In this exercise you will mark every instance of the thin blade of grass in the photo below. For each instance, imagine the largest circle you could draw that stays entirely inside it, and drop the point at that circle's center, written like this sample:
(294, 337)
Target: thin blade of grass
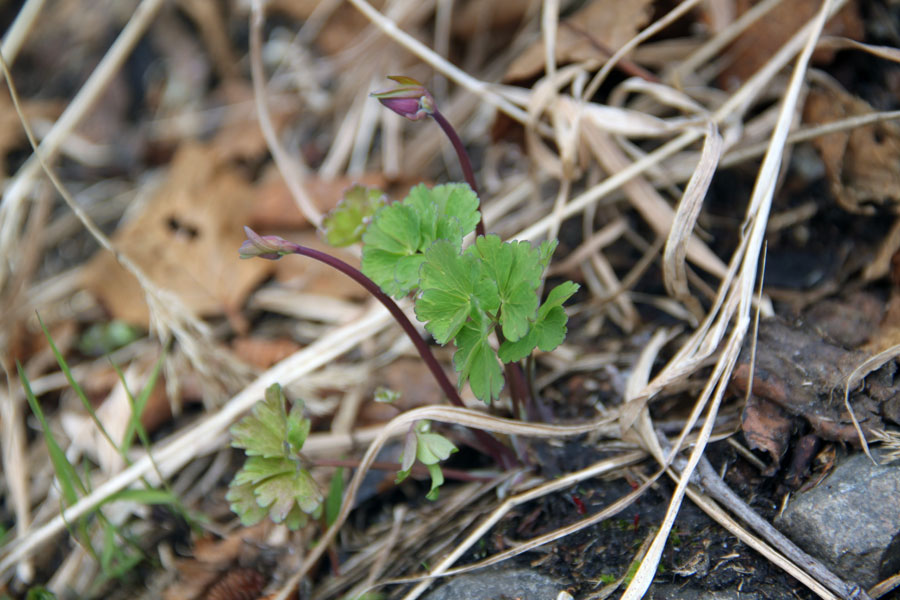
(65, 472)
(64, 367)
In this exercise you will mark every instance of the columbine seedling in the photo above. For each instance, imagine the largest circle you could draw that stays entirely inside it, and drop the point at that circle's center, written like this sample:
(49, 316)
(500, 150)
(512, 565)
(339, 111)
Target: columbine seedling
(273, 479)
(462, 295)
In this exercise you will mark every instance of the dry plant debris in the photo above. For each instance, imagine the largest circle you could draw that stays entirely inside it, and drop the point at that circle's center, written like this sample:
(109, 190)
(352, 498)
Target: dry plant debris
(619, 153)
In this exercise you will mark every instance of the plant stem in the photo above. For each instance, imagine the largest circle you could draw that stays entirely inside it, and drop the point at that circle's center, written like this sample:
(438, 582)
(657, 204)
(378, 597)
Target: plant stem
(502, 455)
(518, 386)
(421, 346)
(464, 162)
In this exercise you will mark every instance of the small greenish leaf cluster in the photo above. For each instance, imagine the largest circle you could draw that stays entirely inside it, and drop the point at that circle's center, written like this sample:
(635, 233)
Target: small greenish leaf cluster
(429, 449)
(273, 479)
(463, 295)
(346, 224)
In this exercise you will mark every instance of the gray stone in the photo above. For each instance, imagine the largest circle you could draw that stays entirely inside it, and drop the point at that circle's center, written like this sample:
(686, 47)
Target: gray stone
(850, 521)
(498, 584)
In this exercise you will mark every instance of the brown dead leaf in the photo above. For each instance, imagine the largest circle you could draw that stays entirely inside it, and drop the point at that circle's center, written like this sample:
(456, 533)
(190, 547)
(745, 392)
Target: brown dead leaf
(861, 164)
(607, 23)
(186, 241)
(766, 426)
(759, 42)
(262, 352)
(805, 374)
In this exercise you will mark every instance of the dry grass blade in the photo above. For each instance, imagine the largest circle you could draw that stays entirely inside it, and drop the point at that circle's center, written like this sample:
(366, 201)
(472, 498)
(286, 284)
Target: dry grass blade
(291, 167)
(675, 252)
(872, 363)
(757, 216)
(442, 570)
(12, 205)
(443, 414)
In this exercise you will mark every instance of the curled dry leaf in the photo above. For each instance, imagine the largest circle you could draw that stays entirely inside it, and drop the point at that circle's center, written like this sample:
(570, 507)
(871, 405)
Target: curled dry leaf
(861, 164)
(186, 240)
(598, 26)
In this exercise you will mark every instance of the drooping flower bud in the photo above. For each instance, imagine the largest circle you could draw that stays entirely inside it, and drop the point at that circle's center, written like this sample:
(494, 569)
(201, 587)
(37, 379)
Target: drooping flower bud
(410, 100)
(265, 246)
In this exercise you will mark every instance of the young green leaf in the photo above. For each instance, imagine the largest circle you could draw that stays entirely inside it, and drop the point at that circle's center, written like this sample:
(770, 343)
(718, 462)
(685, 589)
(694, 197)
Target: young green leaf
(433, 448)
(276, 484)
(272, 479)
(452, 290)
(516, 269)
(437, 480)
(391, 249)
(548, 331)
(476, 362)
(264, 432)
(335, 496)
(297, 427)
(398, 235)
(243, 503)
(346, 224)
(448, 210)
(429, 448)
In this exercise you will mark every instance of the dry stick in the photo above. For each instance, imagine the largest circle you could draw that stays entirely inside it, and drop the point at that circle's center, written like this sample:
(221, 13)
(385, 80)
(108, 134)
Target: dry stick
(287, 165)
(15, 193)
(15, 37)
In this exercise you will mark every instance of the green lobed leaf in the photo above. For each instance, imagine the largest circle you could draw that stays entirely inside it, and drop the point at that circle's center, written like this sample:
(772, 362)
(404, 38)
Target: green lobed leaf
(243, 503)
(264, 432)
(451, 209)
(297, 427)
(452, 290)
(476, 362)
(347, 222)
(516, 269)
(548, 331)
(280, 493)
(391, 249)
(277, 485)
(399, 233)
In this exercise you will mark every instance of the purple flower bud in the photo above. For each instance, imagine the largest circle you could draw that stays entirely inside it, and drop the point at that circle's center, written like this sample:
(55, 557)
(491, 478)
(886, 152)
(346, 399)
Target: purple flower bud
(410, 100)
(265, 246)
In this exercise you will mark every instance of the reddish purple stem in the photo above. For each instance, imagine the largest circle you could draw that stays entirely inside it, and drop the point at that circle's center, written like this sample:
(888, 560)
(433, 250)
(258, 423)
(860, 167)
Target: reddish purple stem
(501, 454)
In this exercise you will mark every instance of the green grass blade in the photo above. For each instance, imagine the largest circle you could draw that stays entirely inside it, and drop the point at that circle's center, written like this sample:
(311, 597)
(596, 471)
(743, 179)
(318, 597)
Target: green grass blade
(65, 472)
(64, 366)
(138, 405)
